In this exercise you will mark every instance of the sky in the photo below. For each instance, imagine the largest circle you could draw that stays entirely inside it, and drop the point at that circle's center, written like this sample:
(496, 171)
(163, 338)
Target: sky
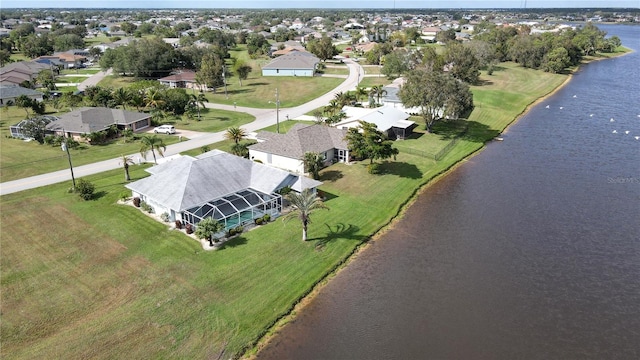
(274, 4)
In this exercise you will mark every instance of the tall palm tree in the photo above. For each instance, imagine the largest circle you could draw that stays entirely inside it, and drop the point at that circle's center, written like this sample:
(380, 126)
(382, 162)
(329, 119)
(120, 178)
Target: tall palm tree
(313, 162)
(303, 205)
(152, 143)
(154, 98)
(197, 101)
(377, 91)
(126, 161)
(121, 96)
(333, 107)
(236, 134)
(360, 92)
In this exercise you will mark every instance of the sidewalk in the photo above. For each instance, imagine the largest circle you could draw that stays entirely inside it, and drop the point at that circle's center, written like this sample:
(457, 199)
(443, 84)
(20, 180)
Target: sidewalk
(264, 118)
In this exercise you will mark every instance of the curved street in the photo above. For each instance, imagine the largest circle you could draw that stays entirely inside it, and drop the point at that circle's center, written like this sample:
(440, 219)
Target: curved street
(264, 118)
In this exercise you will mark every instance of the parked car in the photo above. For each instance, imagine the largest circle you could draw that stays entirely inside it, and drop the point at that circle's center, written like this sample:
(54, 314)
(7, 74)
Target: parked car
(165, 129)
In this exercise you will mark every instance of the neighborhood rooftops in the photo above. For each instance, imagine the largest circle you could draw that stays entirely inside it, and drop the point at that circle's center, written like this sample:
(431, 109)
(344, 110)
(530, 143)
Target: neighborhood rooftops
(294, 60)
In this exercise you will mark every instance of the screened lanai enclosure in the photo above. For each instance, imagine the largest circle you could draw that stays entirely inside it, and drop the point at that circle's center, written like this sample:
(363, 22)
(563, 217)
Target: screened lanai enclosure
(236, 209)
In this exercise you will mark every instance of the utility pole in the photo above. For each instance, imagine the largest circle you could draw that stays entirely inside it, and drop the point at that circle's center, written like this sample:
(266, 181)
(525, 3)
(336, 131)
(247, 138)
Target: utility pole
(65, 147)
(224, 80)
(277, 112)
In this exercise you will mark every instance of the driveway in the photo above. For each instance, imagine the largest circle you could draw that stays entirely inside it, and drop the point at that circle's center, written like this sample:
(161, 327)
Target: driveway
(264, 118)
(94, 79)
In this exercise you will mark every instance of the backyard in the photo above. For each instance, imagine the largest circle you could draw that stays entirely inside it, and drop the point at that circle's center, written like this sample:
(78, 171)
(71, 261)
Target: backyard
(126, 284)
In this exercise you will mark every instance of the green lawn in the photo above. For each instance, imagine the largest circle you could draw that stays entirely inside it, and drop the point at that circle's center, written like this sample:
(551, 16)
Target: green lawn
(116, 81)
(372, 69)
(86, 71)
(70, 79)
(212, 120)
(20, 159)
(257, 90)
(368, 82)
(123, 283)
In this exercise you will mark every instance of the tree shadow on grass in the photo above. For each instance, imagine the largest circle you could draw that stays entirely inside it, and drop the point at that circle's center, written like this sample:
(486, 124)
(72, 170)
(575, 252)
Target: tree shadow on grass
(401, 169)
(340, 231)
(331, 175)
(240, 91)
(326, 196)
(482, 82)
(221, 118)
(235, 242)
(478, 132)
(98, 194)
(449, 129)
(258, 84)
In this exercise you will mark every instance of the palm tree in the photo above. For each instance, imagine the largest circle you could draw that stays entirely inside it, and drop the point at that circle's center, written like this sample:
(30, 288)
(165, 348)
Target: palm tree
(236, 134)
(197, 101)
(121, 96)
(377, 91)
(153, 143)
(303, 205)
(240, 149)
(313, 162)
(153, 98)
(333, 107)
(126, 160)
(360, 92)
(208, 227)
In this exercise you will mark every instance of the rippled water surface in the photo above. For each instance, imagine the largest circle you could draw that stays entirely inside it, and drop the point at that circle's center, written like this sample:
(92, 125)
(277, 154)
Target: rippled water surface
(530, 250)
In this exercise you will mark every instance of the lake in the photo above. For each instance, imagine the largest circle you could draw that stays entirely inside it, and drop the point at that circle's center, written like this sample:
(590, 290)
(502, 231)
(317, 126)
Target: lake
(528, 250)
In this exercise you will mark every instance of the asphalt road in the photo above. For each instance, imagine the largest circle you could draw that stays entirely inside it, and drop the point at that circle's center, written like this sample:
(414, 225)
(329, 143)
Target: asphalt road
(264, 118)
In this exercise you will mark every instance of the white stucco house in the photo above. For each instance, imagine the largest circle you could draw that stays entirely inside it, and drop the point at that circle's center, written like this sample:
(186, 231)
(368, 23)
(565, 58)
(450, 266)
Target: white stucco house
(286, 151)
(295, 63)
(231, 189)
(391, 121)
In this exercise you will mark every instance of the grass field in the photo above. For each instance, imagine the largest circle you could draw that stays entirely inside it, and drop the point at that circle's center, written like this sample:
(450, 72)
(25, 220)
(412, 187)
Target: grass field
(20, 159)
(104, 280)
(212, 120)
(368, 82)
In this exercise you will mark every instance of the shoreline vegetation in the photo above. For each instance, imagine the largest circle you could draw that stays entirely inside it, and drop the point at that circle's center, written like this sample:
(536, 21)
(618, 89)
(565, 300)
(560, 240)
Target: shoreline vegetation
(299, 307)
(128, 284)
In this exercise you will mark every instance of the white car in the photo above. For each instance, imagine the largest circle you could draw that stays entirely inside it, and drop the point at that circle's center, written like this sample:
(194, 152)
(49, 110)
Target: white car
(165, 129)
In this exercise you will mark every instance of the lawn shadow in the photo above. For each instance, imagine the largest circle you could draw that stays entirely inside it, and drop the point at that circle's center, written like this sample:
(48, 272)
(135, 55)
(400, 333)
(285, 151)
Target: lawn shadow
(326, 196)
(449, 129)
(236, 241)
(221, 118)
(98, 194)
(415, 135)
(331, 175)
(341, 231)
(484, 82)
(240, 91)
(401, 169)
(478, 132)
(258, 84)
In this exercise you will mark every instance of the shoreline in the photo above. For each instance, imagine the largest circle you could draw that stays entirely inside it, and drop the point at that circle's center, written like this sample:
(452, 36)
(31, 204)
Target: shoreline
(300, 305)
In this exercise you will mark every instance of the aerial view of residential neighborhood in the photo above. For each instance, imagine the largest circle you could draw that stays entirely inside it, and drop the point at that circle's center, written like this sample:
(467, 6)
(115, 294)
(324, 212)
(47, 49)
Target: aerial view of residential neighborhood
(220, 183)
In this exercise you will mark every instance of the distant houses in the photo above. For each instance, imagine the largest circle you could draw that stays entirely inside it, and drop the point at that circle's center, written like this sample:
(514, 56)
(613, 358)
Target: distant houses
(389, 120)
(295, 63)
(9, 93)
(87, 120)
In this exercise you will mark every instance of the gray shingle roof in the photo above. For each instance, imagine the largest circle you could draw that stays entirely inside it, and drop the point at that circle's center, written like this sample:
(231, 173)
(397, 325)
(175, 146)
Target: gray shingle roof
(8, 91)
(187, 182)
(294, 60)
(300, 139)
(87, 120)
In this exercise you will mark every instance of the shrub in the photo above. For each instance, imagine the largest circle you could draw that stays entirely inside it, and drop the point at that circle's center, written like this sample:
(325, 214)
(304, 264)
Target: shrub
(238, 229)
(146, 207)
(266, 218)
(85, 189)
(124, 196)
(165, 217)
(178, 224)
(189, 229)
(136, 201)
(373, 168)
(258, 221)
(285, 190)
(231, 232)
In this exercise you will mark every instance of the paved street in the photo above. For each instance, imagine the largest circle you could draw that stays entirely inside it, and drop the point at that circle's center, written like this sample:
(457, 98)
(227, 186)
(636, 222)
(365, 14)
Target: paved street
(264, 118)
